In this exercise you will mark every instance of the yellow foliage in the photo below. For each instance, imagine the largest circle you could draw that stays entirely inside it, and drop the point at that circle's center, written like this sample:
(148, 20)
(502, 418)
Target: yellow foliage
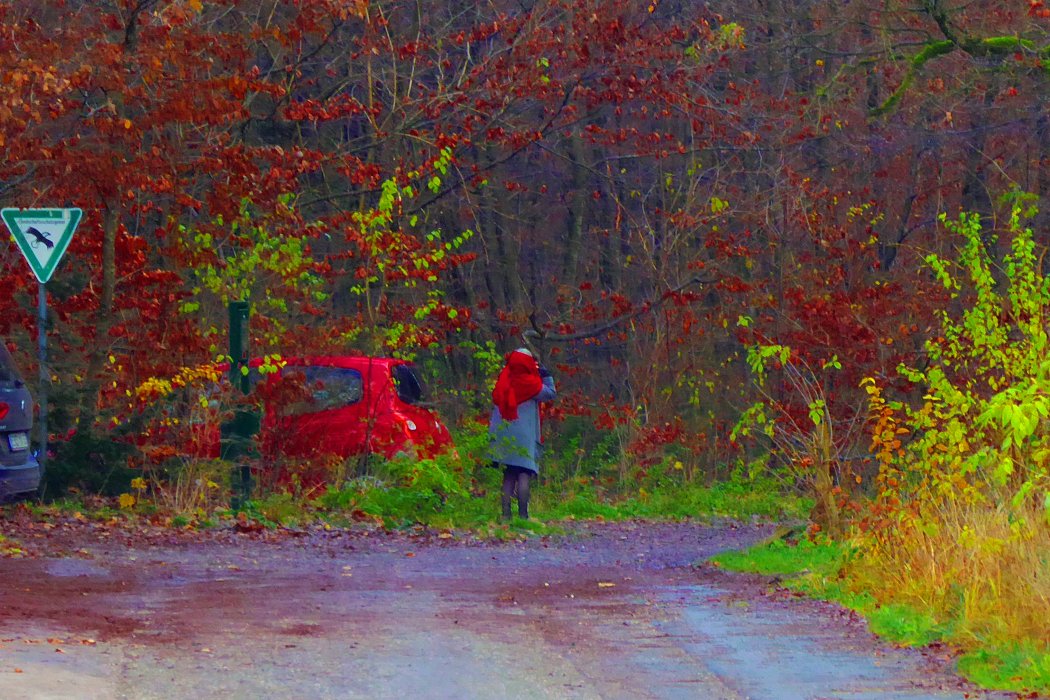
(159, 387)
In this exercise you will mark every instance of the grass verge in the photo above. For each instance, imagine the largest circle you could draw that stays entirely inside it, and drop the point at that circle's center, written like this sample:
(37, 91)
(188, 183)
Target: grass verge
(436, 497)
(821, 569)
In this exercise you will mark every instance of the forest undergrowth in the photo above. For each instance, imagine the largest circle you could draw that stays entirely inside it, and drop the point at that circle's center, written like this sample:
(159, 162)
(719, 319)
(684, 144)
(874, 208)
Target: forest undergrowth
(455, 491)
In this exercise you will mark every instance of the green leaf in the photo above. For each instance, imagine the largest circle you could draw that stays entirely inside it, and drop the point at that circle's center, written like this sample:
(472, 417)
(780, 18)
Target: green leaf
(1004, 469)
(1022, 493)
(816, 412)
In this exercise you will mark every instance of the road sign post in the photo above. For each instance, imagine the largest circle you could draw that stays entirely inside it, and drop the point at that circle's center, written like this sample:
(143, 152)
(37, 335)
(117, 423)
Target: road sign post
(41, 392)
(43, 236)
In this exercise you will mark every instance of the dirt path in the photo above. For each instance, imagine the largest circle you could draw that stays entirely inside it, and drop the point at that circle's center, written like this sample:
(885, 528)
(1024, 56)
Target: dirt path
(616, 611)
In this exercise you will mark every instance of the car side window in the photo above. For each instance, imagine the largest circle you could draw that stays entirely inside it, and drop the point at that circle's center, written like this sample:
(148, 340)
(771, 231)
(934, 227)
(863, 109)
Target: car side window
(327, 387)
(410, 388)
(8, 373)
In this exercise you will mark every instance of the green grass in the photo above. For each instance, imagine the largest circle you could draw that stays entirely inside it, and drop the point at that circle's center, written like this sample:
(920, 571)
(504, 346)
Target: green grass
(457, 492)
(583, 504)
(739, 500)
(1019, 667)
(476, 508)
(777, 557)
(902, 624)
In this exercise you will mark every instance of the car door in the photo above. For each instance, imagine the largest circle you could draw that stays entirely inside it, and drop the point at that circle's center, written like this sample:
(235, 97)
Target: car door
(321, 412)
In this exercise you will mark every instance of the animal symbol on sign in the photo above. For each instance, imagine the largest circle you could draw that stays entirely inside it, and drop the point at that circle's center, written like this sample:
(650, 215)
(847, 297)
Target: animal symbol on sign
(40, 237)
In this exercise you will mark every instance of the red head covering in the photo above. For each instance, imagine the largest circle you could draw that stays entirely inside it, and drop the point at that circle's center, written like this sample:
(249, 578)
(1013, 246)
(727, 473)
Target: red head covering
(518, 382)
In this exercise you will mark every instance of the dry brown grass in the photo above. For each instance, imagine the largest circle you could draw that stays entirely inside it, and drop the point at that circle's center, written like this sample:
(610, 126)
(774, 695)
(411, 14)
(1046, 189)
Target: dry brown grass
(192, 486)
(984, 568)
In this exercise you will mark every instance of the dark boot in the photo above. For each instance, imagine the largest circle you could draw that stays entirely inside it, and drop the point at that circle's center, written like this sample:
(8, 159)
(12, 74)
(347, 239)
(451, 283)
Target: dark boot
(507, 493)
(523, 496)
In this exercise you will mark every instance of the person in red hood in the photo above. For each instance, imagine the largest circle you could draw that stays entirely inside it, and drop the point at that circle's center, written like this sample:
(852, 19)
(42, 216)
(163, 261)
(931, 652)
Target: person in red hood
(514, 427)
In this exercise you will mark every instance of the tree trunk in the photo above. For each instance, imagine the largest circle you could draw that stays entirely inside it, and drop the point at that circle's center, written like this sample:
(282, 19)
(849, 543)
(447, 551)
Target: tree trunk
(577, 212)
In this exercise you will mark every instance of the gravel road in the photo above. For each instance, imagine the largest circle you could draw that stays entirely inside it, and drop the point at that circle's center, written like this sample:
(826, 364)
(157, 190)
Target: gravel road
(611, 611)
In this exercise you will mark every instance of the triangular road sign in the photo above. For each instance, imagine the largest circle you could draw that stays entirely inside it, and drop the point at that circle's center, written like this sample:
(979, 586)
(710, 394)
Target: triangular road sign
(42, 235)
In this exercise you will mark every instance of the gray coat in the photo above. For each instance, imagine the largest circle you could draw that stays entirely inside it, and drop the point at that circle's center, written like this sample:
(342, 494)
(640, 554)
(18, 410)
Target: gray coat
(517, 442)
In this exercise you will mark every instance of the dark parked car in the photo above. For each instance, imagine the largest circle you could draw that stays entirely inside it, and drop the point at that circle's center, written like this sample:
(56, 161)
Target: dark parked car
(19, 470)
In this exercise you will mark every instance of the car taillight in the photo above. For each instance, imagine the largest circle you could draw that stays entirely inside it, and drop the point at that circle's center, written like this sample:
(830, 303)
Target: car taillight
(4, 408)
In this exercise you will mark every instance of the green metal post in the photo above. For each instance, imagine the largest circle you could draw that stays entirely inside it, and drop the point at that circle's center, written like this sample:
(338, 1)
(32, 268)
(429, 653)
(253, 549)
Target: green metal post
(244, 423)
(239, 356)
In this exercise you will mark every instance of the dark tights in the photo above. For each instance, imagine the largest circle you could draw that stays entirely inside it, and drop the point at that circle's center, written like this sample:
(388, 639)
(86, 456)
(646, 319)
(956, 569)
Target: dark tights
(516, 483)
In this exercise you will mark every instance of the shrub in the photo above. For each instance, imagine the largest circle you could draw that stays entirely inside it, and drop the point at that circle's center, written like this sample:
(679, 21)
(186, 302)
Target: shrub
(960, 526)
(89, 463)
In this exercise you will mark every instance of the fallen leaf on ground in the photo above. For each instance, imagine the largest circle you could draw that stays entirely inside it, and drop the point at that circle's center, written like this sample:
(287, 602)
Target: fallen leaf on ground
(605, 584)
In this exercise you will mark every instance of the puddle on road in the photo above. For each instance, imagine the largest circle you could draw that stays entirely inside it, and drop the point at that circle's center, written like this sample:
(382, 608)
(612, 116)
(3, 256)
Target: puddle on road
(68, 568)
(771, 652)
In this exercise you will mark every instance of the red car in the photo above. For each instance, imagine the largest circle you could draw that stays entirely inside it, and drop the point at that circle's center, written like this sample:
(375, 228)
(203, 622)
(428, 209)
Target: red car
(347, 406)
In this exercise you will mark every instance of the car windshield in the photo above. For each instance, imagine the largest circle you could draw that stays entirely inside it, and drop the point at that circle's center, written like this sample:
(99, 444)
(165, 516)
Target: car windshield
(326, 387)
(410, 386)
(8, 372)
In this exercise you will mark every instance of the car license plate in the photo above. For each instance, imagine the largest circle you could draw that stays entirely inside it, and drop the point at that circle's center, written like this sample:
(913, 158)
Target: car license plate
(18, 442)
